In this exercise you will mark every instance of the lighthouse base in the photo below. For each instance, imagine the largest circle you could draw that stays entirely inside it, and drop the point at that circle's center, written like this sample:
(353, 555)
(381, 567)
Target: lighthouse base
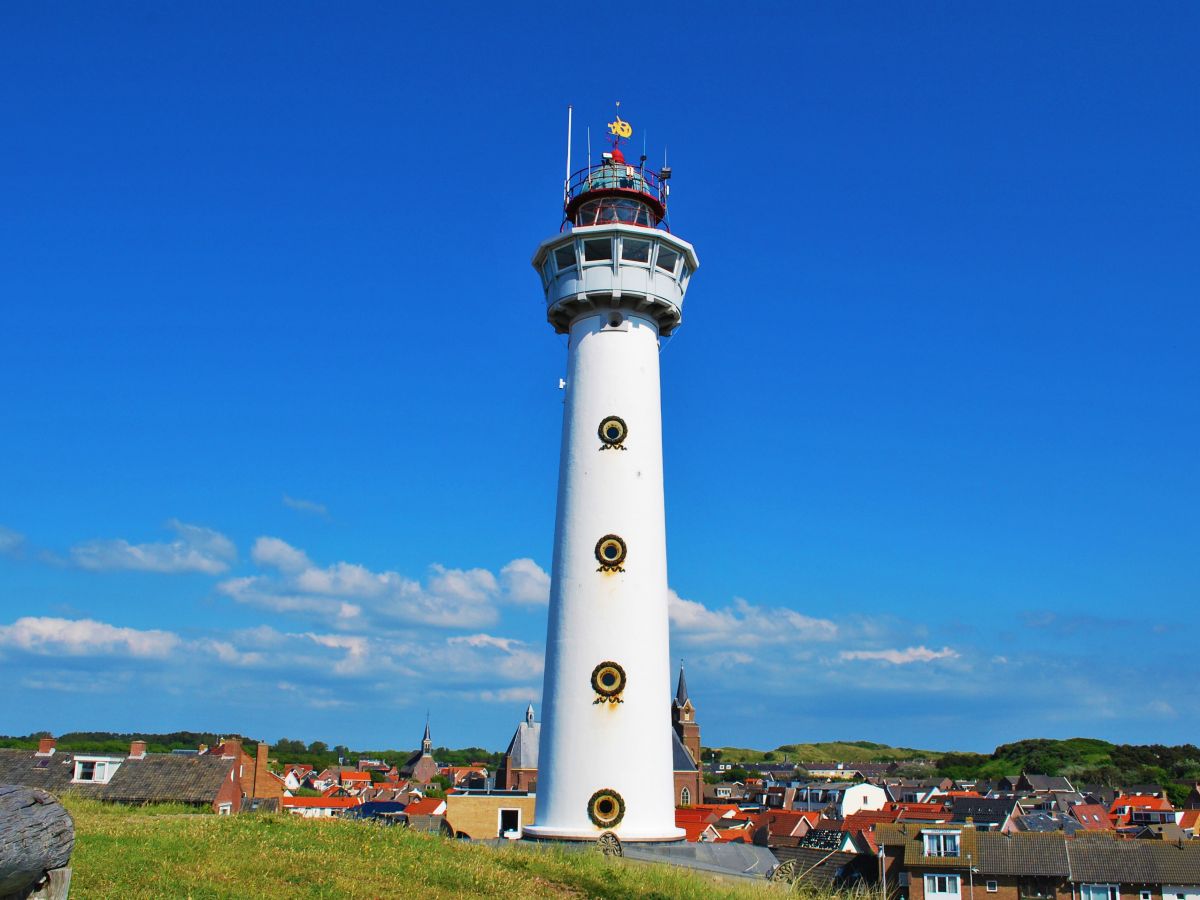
(551, 833)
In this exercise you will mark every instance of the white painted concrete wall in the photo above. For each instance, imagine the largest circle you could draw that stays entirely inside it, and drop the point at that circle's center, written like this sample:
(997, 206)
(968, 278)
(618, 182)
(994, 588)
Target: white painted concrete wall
(620, 616)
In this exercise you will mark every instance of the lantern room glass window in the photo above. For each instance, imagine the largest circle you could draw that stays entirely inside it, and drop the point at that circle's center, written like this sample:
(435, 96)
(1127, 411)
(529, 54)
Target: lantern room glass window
(614, 211)
(564, 257)
(598, 250)
(633, 250)
(667, 259)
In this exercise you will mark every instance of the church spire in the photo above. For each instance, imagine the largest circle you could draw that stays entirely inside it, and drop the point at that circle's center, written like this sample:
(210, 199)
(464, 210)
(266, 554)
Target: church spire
(681, 692)
(426, 741)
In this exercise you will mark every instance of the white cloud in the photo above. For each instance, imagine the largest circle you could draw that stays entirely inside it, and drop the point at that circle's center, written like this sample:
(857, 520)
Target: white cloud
(85, 637)
(271, 551)
(254, 591)
(306, 506)
(339, 593)
(525, 583)
(900, 657)
(196, 549)
(11, 542)
(745, 624)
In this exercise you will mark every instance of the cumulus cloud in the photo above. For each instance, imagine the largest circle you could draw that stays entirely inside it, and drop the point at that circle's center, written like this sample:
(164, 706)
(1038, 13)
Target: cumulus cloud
(305, 506)
(271, 551)
(900, 657)
(195, 549)
(744, 623)
(525, 583)
(85, 637)
(341, 592)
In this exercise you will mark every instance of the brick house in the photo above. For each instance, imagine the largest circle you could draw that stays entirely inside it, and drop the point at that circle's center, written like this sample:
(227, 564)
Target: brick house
(255, 779)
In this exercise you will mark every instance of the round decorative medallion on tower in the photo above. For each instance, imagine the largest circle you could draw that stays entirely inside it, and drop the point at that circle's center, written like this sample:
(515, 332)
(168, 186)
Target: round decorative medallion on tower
(614, 283)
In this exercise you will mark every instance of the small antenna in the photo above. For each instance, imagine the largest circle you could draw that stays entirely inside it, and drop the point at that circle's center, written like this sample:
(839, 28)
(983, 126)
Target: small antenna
(567, 180)
(589, 149)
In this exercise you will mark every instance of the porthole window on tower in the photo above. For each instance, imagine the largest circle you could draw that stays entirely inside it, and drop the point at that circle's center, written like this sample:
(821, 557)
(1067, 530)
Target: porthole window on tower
(608, 680)
(606, 808)
(612, 433)
(597, 250)
(667, 258)
(564, 257)
(610, 551)
(633, 250)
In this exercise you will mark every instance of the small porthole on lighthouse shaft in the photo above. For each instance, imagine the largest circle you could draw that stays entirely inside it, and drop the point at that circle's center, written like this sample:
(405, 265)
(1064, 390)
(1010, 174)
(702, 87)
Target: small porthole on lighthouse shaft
(608, 680)
(606, 808)
(610, 552)
(612, 433)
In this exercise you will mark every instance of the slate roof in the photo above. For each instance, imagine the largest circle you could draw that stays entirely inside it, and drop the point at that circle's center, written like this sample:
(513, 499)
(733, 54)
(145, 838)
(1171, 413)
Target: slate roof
(817, 866)
(1029, 853)
(681, 692)
(1102, 858)
(1045, 783)
(523, 748)
(156, 778)
(982, 810)
(681, 759)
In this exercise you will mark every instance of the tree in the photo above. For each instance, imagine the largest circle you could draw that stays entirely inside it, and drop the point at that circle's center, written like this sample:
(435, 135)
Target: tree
(318, 747)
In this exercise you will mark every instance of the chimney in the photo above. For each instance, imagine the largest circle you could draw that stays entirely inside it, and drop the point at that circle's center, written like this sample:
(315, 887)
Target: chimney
(137, 750)
(46, 746)
(260, 768)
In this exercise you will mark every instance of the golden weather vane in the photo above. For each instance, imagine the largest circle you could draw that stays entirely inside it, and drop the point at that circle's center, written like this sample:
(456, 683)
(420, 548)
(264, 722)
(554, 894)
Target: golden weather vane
(620, 128)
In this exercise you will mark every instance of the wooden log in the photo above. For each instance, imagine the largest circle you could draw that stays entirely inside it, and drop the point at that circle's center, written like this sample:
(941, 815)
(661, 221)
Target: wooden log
(36, 835)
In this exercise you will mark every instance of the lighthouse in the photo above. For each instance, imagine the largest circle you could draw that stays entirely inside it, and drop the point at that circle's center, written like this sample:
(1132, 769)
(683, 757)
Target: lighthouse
(614, 280)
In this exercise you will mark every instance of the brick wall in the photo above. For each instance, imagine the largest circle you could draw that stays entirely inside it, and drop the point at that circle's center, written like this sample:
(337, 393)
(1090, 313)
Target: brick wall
(478, 815)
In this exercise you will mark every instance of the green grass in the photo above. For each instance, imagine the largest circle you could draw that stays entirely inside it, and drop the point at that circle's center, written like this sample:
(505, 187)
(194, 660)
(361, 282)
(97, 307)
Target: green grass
(834, 751)
(169, 851)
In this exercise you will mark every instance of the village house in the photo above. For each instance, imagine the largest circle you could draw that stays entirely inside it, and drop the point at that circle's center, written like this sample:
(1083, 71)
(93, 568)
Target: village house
(137, 777)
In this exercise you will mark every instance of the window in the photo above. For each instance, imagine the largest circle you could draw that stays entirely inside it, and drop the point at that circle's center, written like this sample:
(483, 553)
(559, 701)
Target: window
(597, 250)
(547, 274)
(510, 820)
(941, 843)
(635, 251)
(942, 886)
(1146, 895)
(685, 797)
(225, 809)
(667, 258)
(95, 769)
(902, 879)
(1100, 892)
(993, 886)
(564, 257)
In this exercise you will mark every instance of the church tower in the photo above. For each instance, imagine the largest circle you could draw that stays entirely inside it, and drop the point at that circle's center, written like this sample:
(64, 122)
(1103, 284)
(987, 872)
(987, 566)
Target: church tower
(683, 719)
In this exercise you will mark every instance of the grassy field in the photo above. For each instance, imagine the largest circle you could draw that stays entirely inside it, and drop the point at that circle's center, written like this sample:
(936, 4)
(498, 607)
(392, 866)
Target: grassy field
(836, 751)
(167, 852)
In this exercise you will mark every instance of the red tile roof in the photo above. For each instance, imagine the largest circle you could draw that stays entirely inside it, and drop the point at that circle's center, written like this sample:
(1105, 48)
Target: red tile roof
(429, 806)
(866, 819)
(356, 776)
(1092, 816)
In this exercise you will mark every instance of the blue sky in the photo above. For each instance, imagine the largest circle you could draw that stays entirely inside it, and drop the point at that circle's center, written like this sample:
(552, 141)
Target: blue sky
(281, 404)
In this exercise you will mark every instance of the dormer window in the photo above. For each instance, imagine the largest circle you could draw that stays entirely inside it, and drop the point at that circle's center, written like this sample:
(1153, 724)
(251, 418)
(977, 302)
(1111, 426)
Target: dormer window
(941, 843)
(94, 769)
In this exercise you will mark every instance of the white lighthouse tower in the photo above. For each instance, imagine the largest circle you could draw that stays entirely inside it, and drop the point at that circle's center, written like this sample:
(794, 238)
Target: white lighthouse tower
(614, 283)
